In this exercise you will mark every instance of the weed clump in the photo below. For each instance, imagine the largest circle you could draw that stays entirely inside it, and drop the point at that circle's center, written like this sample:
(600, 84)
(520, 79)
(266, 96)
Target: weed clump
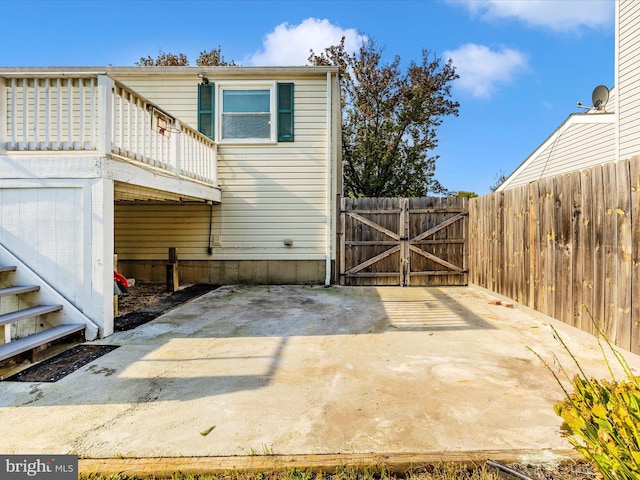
(602, 417)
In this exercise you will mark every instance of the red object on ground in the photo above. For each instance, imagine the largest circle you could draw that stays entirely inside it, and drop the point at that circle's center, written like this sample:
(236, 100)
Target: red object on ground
(120, 279)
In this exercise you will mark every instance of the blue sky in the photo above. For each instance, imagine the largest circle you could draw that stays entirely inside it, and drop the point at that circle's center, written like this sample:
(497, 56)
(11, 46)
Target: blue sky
(524, 64)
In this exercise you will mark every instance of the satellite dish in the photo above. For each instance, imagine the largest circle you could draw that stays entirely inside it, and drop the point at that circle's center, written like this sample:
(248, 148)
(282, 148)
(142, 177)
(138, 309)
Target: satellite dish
(600, 97)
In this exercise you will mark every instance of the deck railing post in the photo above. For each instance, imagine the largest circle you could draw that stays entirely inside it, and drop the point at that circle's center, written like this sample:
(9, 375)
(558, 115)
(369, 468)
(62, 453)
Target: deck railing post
(105, 114)
(213, 165)
(174, 151)
(3, 117)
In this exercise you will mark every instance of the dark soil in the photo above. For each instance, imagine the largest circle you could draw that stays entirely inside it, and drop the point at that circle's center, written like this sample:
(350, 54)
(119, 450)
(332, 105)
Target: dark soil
(151, 301)
(142, 303)
(61, 365)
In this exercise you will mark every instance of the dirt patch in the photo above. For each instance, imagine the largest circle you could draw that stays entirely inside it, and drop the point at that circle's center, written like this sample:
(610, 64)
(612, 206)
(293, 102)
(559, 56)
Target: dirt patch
(568, 471)
(61, 365)
(146, 302)
(141, 295)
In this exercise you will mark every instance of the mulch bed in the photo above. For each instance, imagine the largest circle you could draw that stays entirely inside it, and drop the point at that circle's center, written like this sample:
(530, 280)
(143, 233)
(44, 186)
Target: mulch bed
(155, 302)
(154, 310)
(61, 365)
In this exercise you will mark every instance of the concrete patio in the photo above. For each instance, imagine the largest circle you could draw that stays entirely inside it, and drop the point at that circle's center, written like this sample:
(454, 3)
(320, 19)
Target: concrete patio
(298, 370)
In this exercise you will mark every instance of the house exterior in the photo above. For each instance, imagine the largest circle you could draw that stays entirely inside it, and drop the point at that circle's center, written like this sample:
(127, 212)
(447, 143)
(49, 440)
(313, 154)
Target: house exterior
(236, 167)
(596, 136)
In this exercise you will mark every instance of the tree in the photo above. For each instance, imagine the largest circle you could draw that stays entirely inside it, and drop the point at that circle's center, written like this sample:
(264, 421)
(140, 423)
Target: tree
(465, 194)
(164, 60)
(390, 119)
(498, 179)
(212, 58)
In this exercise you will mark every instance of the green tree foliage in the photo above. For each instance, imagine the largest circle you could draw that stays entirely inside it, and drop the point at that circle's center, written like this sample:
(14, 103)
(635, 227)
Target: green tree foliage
(212, 58)
(390, 119)
(464, 194)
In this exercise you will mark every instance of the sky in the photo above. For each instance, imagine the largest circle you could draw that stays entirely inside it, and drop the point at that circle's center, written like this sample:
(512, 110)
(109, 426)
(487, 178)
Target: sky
(523, 64)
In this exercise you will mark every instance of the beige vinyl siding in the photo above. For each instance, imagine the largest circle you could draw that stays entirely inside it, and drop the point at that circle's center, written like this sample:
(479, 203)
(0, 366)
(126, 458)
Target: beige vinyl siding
(629, 78)
(270, 192)
(177, 95)
(581, 145)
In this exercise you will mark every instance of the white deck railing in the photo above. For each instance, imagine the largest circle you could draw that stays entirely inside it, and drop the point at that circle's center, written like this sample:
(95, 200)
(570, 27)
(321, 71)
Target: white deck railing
(95, 112)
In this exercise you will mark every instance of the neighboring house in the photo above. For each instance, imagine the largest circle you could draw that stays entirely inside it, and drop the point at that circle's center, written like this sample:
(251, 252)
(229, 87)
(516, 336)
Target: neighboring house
(237, 167)
(596, 136)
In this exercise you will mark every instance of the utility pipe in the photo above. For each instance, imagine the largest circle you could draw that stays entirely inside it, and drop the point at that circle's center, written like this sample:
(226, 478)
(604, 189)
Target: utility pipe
(327, 277)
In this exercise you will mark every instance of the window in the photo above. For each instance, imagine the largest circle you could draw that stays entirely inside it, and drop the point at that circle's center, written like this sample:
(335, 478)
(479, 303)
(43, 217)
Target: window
(247, 112)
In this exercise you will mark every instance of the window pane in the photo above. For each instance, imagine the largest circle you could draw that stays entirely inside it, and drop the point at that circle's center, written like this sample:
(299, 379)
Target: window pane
(246, 101)
(285, 125)
(205, 97)
(246, 126)
(285, 97)
(206, 127)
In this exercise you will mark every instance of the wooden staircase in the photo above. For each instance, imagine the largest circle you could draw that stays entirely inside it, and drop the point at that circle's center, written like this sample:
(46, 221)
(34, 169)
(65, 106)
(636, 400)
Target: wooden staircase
(30, 343)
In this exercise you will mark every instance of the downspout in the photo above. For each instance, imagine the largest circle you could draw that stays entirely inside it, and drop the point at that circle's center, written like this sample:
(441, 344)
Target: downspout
(327, 277)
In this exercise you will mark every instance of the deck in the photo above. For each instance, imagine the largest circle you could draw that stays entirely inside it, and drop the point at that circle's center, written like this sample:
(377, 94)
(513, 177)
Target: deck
(56, 126)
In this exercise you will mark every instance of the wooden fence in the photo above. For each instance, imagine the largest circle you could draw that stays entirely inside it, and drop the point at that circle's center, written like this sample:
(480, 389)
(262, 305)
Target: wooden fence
(567, 246)
(403, 241)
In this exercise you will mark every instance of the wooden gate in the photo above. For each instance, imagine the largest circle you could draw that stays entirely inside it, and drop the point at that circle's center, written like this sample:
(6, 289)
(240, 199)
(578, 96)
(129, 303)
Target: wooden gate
(403, 241)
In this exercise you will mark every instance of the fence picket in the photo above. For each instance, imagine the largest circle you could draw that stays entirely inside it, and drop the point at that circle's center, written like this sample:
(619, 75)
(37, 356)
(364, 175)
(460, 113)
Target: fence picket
(565, 243)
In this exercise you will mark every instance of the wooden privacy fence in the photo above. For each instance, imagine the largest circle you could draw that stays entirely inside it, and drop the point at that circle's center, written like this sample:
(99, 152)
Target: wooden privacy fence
(565, 243)
(403, 241)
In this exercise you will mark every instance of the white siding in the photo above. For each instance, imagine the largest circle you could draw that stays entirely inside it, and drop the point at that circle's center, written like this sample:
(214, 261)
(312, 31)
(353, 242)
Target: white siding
(62, 229)
(629, 77)
(574, 147)
(270, 192)
(45, 228)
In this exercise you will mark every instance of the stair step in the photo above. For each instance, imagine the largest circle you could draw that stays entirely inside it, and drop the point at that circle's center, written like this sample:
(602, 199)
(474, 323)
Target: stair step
(28, 313)
(8, 268)
(6, 292)
(22, 345)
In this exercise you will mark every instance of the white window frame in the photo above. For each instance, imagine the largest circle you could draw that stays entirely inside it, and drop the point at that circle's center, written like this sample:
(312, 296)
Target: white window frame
(247, 85)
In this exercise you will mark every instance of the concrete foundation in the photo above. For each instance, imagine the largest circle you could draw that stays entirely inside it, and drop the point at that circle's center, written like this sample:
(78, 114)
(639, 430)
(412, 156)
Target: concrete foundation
(227, 272)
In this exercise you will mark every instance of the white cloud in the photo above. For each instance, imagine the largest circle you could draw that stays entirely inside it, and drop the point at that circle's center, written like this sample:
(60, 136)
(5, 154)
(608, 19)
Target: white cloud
(558, 15)
(482, 69)
(291, 44)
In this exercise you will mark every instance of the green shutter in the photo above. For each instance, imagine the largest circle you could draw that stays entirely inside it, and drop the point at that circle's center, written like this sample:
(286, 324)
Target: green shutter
(285, 112)
(206, 114)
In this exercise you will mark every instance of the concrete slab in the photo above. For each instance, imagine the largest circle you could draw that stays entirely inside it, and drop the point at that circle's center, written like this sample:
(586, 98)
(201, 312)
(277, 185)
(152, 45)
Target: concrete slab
(293, 370)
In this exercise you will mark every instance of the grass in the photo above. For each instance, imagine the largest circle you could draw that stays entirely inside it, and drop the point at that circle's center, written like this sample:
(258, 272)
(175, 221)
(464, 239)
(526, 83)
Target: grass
(445, 471)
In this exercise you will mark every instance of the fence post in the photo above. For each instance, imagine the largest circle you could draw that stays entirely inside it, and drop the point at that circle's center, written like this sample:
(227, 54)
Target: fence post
(403, 233)
(105, 114)
(173, 282)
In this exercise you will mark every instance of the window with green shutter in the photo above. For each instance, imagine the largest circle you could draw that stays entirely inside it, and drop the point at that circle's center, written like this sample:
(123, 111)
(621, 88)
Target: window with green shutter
(248, 112)
(285, 112)
(206, 111)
